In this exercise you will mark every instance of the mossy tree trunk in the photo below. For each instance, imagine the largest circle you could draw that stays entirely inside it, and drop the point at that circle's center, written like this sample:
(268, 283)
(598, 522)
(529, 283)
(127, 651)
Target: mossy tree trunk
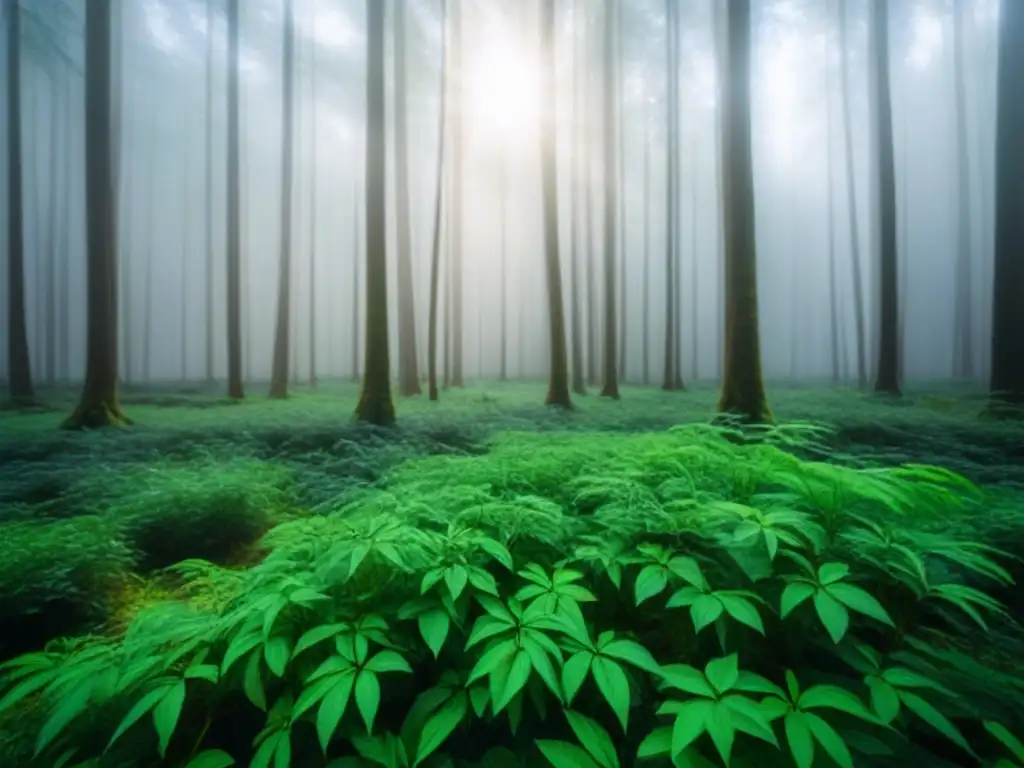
(1007, 382)
(610, 384)
(282, 334)
(99, 405)
(742, 386)
(435, 254)
(234, 223)
(375, 403)
(19, 368)
(558, 376)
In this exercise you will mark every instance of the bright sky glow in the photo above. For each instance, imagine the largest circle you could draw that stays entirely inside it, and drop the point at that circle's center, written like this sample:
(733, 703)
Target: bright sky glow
(925, 37)
(502, 83)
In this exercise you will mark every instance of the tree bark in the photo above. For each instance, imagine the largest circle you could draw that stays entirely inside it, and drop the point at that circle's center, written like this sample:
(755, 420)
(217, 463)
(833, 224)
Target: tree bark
(355, 288)
(435, 255)
(375, 404)
(455, 275)
(579, 385)
(234, 223)
(99, 405)
(282, 335)
(209, 191)
(742, 386)
(963, 350)
(312, 210)
(610, 387)
(670, 374)
(558, 376)
(647, 248)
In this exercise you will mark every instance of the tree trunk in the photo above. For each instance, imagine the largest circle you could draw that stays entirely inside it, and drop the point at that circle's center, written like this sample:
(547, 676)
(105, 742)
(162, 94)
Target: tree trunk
(610, 387)
(742, 386)
(408, 376)
(375, 404)
(851, 196)
(503, 199)
(282, 335)
(579, 385)
(647, 247)
(455, 276)
(184, 247)
(356, 254)
(19, 368)
(234, 223)
(209, 191)
(558, 376)
(963, 352)
(64, 361)
(99, 405)
(435, 254)
(312, 210)
(670, 375)
(622, 187)
(888, 348)
(1007, 384)
(51, 238)
(833, 287)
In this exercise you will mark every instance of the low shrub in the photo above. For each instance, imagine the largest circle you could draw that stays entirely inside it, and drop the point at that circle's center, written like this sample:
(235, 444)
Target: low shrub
(670, 599)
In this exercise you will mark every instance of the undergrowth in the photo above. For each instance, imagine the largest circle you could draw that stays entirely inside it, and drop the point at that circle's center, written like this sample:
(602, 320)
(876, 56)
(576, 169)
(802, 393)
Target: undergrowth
(691, 597)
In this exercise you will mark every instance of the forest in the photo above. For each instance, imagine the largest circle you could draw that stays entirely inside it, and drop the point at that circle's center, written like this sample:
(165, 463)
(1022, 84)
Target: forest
(507, 383)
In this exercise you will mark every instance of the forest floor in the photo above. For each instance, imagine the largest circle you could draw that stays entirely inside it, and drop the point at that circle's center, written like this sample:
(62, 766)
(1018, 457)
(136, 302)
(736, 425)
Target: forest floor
(89, 520)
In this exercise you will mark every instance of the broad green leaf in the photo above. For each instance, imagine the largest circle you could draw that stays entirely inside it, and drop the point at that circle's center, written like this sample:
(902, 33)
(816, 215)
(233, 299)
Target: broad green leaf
(542, 665)
(455, 577)
(614, 686)
(574, 672)
(1001, 734)
(237, 648)
(793, 595)
(211, 758)
(658, 742)
(277, 652)
(690, 723)
(141, 708)
(304, 596)
(440, 726)
(518, 673)
(495, 550)
(743, 611)
(430, 578)
(834, 697)
(487, 627)
(387, 661)
(208, 672)
(491, 659)
(166, 714)
(70, 707)
(705, 610)
(332, 708)
(830, 741)
(562, 754)
(720, 728)
(594, 739)
(856, 599)
(684, 597)
(798, 736)
(748, 717)
(901, 677)
(723, 673)
(688, 570)
(934, 718)
(434, 626)
(833, 615)
(687, 679)
(482, 580)
(830, 573)
(367, 696)
(267, 750)
(27, 687)
(632, 653)
(330, 666)
(252, 681)
(312, 694)
(884, 699)
(317, 635)
(650, 582)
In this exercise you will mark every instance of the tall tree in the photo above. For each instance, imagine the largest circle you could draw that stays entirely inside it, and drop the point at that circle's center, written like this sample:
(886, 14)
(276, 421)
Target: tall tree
(19, 368)
(558, 376)
(209, 191)
(963, 349)
(455, 276)
(234, 223)
(742, 385)
(435, 254)
(888, 375)
(851, 197)
(356, 254)
(672, 378)
(312, 206)
(282, 335)
(408, 376)
(375, 404)
(1007, 383)
(99, 405)
(610, 387)
(647, 246)
(579, 384)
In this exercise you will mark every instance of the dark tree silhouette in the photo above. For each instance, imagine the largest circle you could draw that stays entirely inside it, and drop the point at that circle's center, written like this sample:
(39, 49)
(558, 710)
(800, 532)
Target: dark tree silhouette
(209, 190)
(234, 224)
(610, 385)
(435, 254)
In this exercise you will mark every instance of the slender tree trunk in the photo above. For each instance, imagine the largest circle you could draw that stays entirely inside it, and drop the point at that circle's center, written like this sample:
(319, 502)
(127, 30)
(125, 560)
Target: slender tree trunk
(375, 404)
(51, 238)
(888, 348)
(282, 335)
(455, 275)
(408, 376)
(99, 405)
(1007, 383)
(579, 385)
(65, 280)
(558, 376)
(622, 188)
(647, 247)
(19, 368)
(742, 386)
(588, 247)
(610, 387)
(356, 277)
(694, 284)
(234, 223)
(851, 196)
(209, 191)
(503, 195)
(312, 211)
(147, 312)
(184, 248)
(833, 288)
(671, 190)
(435, 254)
(963, 352)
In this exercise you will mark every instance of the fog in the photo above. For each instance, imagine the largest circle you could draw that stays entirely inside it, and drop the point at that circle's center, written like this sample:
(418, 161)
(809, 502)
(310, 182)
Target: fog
(169, 218)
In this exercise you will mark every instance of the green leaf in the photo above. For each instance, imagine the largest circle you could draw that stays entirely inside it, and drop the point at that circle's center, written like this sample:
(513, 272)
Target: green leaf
(884, 699)
(829, 573)
(650, 582)
(562, 754)
(614, 686)
(720, 728)
(482, 580)
(542, 665)
(387, 661)
(688, 570)
(434, 626)
(574, 672)
(684, 597)
(208, 672)
(934, 718)
(518, 673)
(706, 609)
(211, 758)
(333, 706)
(723, 673)
(237, 648)
(440, 726)
(830, 741)
(141, 708)
(798, 736)
(316, 636)
(691, 718)
(71, 706)
(304, 596)
(743, 611)
(252, 682)
(658, 742)
(277, 653)
(491, 659)
(312, 694)
(856, 599)
(430, 578)
(834, 697)
(367, 696)
(455, 577)
(687, 679)
(833, 615)
(1001, 734)
(495, 550)
(166, 714)
(793, 595)
(487, 627)
(594, 739)
(632, 653)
